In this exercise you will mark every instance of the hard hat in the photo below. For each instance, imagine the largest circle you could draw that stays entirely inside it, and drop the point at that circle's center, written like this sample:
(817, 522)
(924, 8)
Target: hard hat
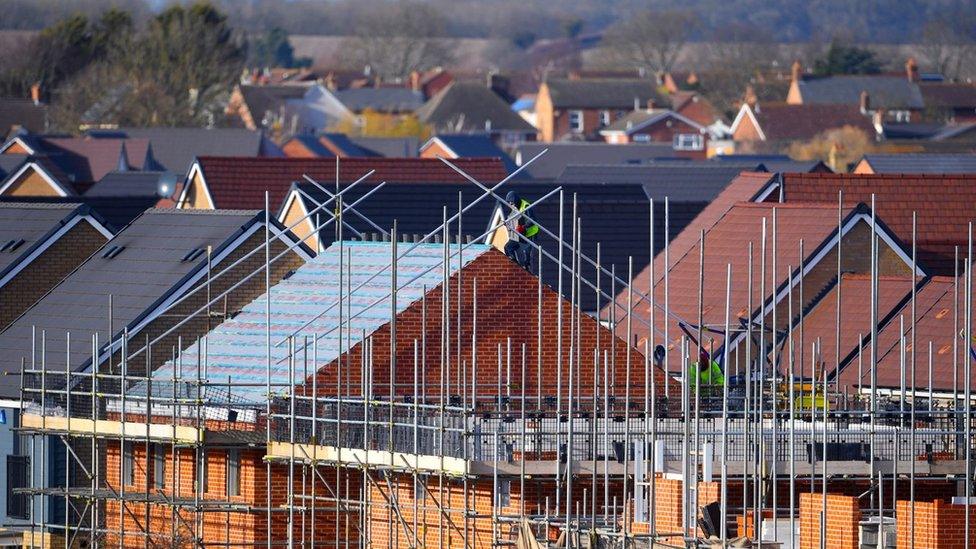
(512, 197)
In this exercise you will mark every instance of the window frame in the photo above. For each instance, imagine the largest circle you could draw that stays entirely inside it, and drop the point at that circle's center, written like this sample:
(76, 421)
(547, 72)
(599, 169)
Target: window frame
(576, 123)
(233, 473)
(697, 142)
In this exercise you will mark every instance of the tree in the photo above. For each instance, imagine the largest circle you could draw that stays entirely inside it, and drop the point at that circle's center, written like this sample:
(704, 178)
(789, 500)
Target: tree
(838, 148)
(841, 59)
(650, 40)
(376, 124)
(948, 41)
(401, 38)
(273, 49)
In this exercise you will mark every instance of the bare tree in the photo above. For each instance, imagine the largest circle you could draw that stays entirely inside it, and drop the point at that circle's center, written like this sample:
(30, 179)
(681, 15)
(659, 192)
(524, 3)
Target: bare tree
(948, 43)
(651, 40)
(400, 38)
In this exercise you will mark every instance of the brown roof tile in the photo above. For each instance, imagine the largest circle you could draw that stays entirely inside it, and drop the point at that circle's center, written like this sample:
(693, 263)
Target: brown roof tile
(780, 121)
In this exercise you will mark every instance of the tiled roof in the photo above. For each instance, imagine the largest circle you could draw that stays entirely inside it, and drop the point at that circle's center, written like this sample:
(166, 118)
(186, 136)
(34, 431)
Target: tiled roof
(302, 305)
(949, 95)
(149, 267)
(888, 92)
(727, 242)
(935, 323)
(602, 93)
(175, 148)
(679, 181)
(634, 120)
(470, 107)
(126, 184)
(339, 144)
(475, 145)
(236, 182)
(87, 160)
(820, 324)
(23, 113)
(944, 205)
(32, 223)
(560, 155)
(263, 99)
(922, 163)
(782, 121)
(393, 100)
(776, 163)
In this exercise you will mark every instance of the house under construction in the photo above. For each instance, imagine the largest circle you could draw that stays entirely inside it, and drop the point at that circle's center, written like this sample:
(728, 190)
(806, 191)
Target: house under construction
(429, 392)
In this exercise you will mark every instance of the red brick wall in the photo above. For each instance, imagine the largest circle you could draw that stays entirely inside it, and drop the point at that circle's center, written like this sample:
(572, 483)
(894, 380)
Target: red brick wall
(938, 525)
(507, 308)
(843, 516)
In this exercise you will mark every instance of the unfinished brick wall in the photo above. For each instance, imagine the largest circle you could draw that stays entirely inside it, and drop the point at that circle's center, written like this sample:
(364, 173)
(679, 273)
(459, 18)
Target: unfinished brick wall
(843, 516)
(938, 525)
(507, 299)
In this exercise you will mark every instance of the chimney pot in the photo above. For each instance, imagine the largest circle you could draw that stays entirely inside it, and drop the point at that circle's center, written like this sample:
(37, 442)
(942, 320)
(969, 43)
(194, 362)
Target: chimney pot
(796, 71)
(865, 102)
(36, 93)
(911, 69)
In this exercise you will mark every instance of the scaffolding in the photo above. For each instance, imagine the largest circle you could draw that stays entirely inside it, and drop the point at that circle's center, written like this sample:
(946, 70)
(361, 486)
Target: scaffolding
(371, 461)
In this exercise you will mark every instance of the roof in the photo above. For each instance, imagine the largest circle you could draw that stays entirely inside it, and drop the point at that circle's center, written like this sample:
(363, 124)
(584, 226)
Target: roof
(237, 182)
(262, 99)
(602, 93)
(394, 100)
(24, 113)
(10, 163)
(87, 160)
(887, 92)
(727, 243)
(559, 155)
(26, 225)
(393, 147)
(780, 121)
(935, 324)
(820, 324)
(475, 145)
(339, 144)
(302, 305)
(126, 184)
(922, 163)
(949, 95)
(417, 208)
(148, 269)
(943, 217)
(471, 107)
(175, 148)
(776, 163)
(678, 181)
(641, 118)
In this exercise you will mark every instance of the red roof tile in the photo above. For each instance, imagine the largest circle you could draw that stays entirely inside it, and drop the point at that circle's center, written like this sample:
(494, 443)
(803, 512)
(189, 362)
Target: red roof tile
(936, 324)
(944, 205)
(240, 182)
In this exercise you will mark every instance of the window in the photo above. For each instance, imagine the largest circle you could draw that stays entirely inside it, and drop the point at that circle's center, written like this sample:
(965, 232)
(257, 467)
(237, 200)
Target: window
(604, 118)
(504, 495)
(419, 490)
(202, 474)
(576, 121)
(689, 142)
(18, 476)
(159, 466)
(233, 472)
(641, 138)
(128, 465)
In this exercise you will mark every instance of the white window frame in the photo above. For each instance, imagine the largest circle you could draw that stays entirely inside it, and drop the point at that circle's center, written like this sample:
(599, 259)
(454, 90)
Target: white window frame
(689, 142)
(604, 118)
(576, 124)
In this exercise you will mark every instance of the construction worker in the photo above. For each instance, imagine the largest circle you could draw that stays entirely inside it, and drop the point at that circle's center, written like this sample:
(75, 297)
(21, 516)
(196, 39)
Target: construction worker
(521, 231)
(706, 372)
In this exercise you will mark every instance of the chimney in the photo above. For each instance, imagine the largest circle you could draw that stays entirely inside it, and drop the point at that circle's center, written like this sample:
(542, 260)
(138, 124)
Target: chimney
(415, 80)
(911, 69)
(650, 104)
(36, 93)
(865, 102)
(796, 71)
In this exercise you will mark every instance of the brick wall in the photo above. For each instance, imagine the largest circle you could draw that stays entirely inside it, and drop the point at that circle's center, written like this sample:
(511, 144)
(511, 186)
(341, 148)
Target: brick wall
(507, 299)
(42, 274)
(938, 525)
(843, 516)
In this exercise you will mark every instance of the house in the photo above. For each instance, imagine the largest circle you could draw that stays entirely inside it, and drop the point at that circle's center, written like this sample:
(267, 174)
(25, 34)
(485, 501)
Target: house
(232, 182)
(579, 109)
(386, 100)
(470, 107)
(659, 126)
(287, 109)
(559, 155)
(39, 244)
(173, 149)
(328, 145)
(896, 96)
(780, 123)
(67, 166)
(953, 102)
(249, 493)
(729, 241)
(22, 115)
(150, 279)
(466, 146)
(916, 163)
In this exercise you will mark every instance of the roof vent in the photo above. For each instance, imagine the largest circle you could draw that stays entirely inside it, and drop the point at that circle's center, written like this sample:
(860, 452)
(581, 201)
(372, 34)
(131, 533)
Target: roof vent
(112, 251)
(192, 255)
(12, 245)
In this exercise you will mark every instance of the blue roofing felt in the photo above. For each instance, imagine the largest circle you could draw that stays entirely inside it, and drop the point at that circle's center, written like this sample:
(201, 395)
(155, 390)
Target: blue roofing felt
(477, 145)
(304, 304)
